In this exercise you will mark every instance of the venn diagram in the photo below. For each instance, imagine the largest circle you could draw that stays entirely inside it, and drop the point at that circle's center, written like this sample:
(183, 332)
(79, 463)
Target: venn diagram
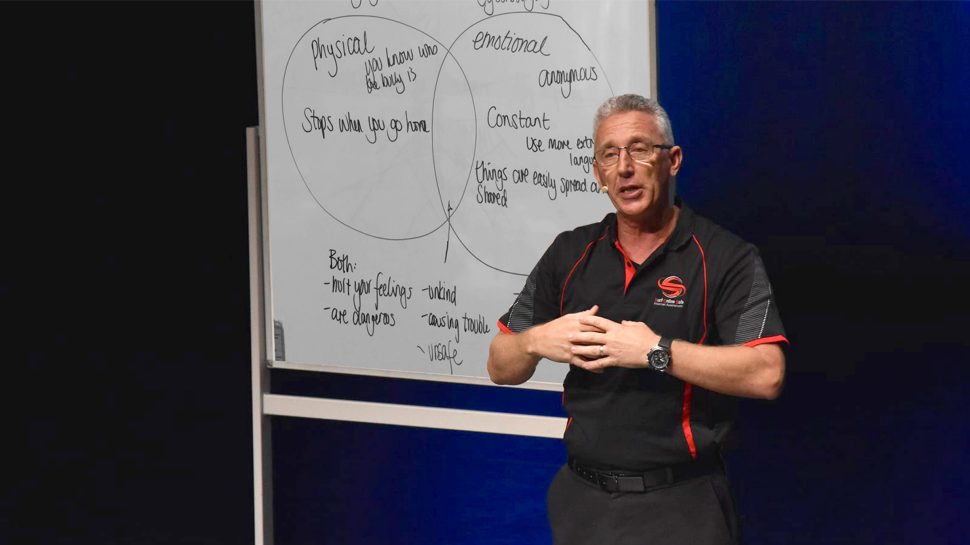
(398, 135)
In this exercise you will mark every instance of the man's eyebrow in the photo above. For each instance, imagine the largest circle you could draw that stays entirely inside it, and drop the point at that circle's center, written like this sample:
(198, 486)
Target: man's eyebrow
(637, 139)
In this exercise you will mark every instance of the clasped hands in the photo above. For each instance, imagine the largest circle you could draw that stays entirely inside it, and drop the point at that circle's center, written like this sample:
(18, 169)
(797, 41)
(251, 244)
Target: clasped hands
(592, 342)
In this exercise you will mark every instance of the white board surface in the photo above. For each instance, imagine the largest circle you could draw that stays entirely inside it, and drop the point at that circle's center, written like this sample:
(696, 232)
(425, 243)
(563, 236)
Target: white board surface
(419, 156)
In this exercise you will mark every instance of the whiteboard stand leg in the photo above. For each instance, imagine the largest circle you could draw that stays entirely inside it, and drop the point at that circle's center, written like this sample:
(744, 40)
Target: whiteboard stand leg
(262, 436)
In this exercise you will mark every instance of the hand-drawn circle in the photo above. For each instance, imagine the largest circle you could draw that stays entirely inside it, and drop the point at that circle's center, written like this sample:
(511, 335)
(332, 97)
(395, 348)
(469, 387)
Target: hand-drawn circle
(485, 231)
(328, 133)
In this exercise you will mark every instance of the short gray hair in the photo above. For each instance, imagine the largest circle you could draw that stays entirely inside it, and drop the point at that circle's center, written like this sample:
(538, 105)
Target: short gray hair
(635, 103)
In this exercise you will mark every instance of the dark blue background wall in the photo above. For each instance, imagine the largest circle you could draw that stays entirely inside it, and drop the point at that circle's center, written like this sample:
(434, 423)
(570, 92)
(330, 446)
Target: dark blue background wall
(833, 135)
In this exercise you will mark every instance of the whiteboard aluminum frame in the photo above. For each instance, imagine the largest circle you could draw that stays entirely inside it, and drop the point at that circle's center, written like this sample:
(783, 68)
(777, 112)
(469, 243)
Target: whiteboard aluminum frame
(550, 427)
(262, 439)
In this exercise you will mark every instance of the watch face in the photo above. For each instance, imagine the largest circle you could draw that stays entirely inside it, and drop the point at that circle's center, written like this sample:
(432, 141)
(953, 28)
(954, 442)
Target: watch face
(659, 359)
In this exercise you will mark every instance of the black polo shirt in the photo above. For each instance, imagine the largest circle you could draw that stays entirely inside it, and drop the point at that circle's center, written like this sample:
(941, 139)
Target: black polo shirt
(704, 285)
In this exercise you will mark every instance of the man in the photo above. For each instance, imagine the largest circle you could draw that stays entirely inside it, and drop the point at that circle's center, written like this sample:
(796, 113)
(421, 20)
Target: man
(665, 319)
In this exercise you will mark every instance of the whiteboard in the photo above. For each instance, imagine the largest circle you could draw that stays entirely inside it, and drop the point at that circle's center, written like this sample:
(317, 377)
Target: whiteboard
(418, 158)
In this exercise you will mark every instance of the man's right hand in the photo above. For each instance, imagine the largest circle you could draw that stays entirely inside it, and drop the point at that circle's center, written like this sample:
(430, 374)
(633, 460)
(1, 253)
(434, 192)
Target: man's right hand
(554, 340)
(512, 358)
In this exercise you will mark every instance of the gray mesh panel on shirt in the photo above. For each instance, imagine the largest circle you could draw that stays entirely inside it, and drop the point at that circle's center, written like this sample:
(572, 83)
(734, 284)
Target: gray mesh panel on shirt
(522, 311)
(751, 324)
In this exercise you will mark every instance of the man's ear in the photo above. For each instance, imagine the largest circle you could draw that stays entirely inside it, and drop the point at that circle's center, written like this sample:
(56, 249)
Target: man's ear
(676, 159)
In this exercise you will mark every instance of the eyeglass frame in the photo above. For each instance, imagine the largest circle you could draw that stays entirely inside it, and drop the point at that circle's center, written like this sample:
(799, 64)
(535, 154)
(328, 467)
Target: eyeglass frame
(619, 150)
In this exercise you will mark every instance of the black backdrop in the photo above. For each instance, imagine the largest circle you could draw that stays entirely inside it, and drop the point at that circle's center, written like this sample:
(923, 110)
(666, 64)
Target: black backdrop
(129, 143)
(832, 135)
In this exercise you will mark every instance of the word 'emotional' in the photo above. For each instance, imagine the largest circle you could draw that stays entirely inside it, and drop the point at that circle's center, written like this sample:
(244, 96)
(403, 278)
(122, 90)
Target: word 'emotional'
(509, 42)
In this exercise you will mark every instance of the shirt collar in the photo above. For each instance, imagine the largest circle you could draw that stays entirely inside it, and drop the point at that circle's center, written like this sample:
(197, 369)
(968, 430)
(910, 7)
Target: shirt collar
(682, 234)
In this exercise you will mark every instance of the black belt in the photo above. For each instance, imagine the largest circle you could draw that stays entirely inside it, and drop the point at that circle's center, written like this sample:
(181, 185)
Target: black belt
(633, 481)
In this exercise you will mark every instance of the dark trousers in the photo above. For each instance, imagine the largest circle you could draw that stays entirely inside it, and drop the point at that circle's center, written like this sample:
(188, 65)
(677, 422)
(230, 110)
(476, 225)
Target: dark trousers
(698, 511)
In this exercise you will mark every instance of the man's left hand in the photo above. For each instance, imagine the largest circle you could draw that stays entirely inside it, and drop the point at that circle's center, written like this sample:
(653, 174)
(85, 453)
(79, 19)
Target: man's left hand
(623, 344)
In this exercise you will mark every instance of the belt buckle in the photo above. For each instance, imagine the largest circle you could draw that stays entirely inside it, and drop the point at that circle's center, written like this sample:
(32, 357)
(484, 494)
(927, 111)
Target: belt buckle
(616, 482)
(631, 483)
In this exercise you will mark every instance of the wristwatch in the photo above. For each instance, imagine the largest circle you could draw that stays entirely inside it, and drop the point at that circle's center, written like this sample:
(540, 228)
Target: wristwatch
(658, 358)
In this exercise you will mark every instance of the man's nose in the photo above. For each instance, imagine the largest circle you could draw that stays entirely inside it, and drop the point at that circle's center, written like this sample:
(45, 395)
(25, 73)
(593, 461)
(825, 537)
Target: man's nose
(624, 164)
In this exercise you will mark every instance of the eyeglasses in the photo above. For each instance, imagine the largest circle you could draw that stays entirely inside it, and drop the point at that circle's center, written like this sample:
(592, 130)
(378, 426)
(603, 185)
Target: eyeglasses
(640, 152)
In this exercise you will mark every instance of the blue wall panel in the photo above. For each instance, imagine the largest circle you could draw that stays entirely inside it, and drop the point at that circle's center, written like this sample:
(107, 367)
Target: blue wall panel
(344, 483)
(834, 135)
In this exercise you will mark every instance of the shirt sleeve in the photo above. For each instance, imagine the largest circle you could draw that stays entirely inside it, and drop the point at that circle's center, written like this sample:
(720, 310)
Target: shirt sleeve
(538, 301)
(745, 311)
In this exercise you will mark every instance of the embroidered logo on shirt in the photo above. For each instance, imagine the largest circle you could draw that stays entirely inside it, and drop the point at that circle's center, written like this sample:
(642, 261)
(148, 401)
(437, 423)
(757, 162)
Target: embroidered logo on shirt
(673, 290)
(672, 286)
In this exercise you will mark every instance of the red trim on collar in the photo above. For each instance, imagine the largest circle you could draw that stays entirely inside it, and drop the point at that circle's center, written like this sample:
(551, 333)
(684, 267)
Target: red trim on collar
(505, 328)
(628, 268)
